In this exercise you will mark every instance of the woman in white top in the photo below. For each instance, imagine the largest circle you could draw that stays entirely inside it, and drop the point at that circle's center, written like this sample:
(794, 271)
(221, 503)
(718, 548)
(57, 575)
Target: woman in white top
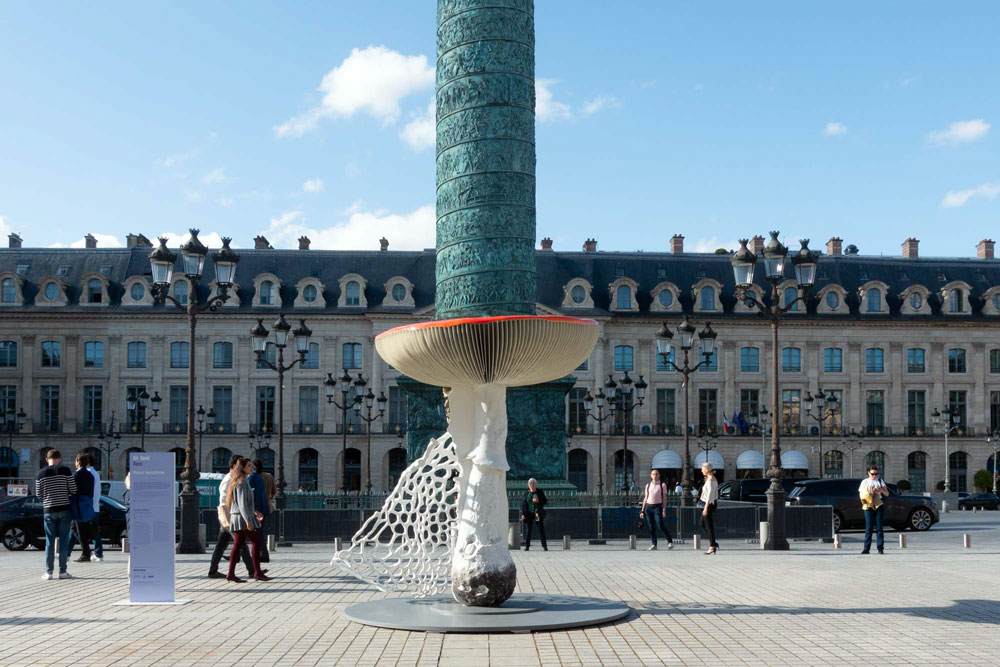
(654, 508)
(710, 498)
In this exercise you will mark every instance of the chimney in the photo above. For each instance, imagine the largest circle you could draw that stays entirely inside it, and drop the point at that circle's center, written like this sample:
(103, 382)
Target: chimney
(260, 243)
(910, 247)
(137, 241)
(983, 251)
(590, 245)
(834, 246)
(303, 243)
(546, 243)
(383, 244)
(677, 243)
(757, 244)
(14, 241)
(89, 241)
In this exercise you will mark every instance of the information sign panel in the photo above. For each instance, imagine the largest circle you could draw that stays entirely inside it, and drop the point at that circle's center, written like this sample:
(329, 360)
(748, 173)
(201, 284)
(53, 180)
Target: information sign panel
(151, 527)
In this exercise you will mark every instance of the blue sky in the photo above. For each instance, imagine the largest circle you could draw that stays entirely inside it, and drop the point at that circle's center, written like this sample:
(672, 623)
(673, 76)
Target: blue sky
(870, 121)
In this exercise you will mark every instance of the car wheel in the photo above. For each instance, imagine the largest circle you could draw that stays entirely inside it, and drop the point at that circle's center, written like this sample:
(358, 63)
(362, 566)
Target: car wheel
(921, 519)
(15, 538)
(838, 521)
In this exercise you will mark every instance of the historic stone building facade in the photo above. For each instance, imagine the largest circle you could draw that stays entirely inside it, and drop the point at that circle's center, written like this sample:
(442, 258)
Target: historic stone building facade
(893, 337)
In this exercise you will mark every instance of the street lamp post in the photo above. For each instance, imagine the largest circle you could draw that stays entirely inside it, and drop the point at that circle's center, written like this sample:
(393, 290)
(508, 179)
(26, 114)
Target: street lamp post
(623, 404)
(202, 429)
(707, 441)
(761, 420)
(136, 405)
(259, 439)
(953, 419)
(851, 442)
(743, 262)
(281, 333)
(827, 407)
(685, 333)
(161, 260)
(600, 418)
(12, 423)
(344, 404)
(993, 441)
(369, 399)
(108, 441)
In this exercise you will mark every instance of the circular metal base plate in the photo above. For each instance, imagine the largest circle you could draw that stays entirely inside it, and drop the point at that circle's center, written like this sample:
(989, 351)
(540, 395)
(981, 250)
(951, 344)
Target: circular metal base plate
(528, 612)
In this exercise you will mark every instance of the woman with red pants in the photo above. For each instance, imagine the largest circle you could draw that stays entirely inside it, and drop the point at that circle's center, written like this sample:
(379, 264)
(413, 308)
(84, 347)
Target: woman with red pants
(244, 521)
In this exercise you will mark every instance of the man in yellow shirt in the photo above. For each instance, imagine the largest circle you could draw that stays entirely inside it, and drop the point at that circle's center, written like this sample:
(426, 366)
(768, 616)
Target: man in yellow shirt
(872, 491)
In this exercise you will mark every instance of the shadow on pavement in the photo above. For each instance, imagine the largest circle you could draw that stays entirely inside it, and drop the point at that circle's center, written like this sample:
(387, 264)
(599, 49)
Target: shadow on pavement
(44, 620)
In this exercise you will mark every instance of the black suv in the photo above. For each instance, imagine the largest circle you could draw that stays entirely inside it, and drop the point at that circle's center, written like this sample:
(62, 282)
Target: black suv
(902, 511)
(752, 490)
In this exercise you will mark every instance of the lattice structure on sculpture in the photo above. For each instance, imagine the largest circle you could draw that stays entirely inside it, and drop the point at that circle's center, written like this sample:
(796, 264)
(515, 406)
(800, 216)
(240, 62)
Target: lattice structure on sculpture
(407, 545)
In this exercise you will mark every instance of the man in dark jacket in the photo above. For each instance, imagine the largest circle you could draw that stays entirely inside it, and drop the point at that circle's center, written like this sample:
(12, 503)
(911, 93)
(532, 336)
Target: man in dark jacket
(261, 503)
(83, 529)
(532, 512)
(54, 485)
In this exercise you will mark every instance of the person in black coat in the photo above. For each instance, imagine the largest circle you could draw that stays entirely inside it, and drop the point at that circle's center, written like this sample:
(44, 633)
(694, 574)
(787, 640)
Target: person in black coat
(532, 512)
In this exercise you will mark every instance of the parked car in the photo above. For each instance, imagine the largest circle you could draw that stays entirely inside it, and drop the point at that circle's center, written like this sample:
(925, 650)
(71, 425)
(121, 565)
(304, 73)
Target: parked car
(21, 522)
(902, 511)
(752, 490)
(986, 501)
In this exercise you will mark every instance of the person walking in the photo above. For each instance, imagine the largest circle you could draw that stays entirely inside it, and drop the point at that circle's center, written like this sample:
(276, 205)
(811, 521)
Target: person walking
(654, 508)
(225, 536)
(261, 503)
(96, 527)
(710, 499)
(244, 521)
(872, 491)
(82, 508)
(54, 485)
(532, 512)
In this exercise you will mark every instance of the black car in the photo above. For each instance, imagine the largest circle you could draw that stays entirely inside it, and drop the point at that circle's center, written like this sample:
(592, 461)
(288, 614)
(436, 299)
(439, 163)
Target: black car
(21, 522)
(986, 501)
(902, 511)
(752, 490)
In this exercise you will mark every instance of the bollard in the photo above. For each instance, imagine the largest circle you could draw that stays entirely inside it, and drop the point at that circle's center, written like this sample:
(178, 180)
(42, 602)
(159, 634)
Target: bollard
(338, 544)
(763, 533)
(836, 541)
(565, 542)
(272, 543)
(902, 541)
(203, 533)
(631, 542)
(696, 541)
(944, 506)
(513, 536)
(966, 541)
(125, 545)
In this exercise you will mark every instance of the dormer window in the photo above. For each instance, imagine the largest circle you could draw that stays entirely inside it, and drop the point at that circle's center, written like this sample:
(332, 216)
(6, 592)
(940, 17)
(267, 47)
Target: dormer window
(708, 298)
(578, 294)
(267, 293)
(51, 291)
(8, 294)
(309, 293)
(832, 300)
(352, 294)
(181, 292)
(874, 301)
(95, 291)
(666, 298)
(398, 292)
(996, 301)
(791, 294)
(956, 302)
(22, 269)
(62, 271)
(624, 297)
(916, 301)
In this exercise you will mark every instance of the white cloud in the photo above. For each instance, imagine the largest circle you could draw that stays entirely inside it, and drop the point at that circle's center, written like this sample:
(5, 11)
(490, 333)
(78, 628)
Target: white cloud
(600, 103)
(699, 87)
(361, 231)
(956, 198)
(103, 241)
(372, 81)
(226, 201)
(712, 244)
(4, 229)
(351, 170)
(651, 83)
(834, 130)
(962, 132)
(177, 158)
(546, 108)
(193, 196)
(313, 185)
(421, 132)
(217, 175)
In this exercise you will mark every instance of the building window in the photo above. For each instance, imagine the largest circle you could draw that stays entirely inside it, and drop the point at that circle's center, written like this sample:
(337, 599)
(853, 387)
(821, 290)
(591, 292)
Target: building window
(270, 355)
(995, 411)
(50, 407)
(791, 418)
(873, 360)
(179, 355)
(621, 461)
(875, 410)
(93, 407)
(265, 408)
(577, 473)
(623, 357)
(309, 293)
(220, 460)
(8, 353)
(791, 294)
(624, 296)
(576, 414)
(222, 355)
(958, 400)
(833, 464)
(834, 424)
(956, 360)
(9, 291)
(875, 459)
(874, 301)
(397, 409)
(660, 364)
(8, 398)
(136, 354)
(266, 456)
(916, 301)
(132, 416)
(51, 354)
(995, 361)
(181, 292)
(312, 356)
(956, 303)
(578, 294)
(583, 365)
(51, 291)
(791, 359)
(178, 406)
(397, 465)
(95, 291)
(309, 406)
(707, 298)
(666, 298)
(665, 410)
(708, 409)
(352, 468)
(915, 360)
(352, 355)
(749, 359)
(398, 292)
(137, 291)
(916, 471)
(309, 470)
(93, 354)
(833, 360)
(352, 294)
(267, 293)
(958, 464)
(832, 300)
(222, 403)
(749, 402)
(711, 363)
(916, 411)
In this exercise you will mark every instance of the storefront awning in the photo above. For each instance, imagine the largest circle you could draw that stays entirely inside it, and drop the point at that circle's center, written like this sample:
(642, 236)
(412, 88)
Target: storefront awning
(794, 460)
(750, 460)
(667, 458)
(714, 457)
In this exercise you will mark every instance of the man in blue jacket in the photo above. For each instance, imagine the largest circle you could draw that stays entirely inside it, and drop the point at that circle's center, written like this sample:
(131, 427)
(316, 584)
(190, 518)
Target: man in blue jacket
(83, 511)
(260, 504)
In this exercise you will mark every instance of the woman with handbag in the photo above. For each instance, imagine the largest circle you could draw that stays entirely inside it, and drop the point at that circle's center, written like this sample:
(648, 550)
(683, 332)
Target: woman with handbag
(654, 508)
(244, 520)
(710, 499)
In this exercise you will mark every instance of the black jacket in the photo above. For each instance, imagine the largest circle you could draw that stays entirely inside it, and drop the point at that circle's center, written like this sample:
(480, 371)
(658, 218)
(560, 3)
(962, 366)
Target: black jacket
(539, 506)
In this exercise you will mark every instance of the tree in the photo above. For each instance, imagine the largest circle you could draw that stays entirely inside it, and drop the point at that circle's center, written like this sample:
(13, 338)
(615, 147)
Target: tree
(903, 485)
(983, 480)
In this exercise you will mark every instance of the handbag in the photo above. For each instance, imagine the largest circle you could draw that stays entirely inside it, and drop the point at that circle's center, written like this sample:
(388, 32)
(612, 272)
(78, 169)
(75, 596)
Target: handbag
(82, 508)
(223, 517)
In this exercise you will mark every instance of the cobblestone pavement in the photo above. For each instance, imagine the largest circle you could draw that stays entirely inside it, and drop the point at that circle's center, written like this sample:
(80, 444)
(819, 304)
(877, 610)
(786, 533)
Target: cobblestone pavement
(933, 603)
